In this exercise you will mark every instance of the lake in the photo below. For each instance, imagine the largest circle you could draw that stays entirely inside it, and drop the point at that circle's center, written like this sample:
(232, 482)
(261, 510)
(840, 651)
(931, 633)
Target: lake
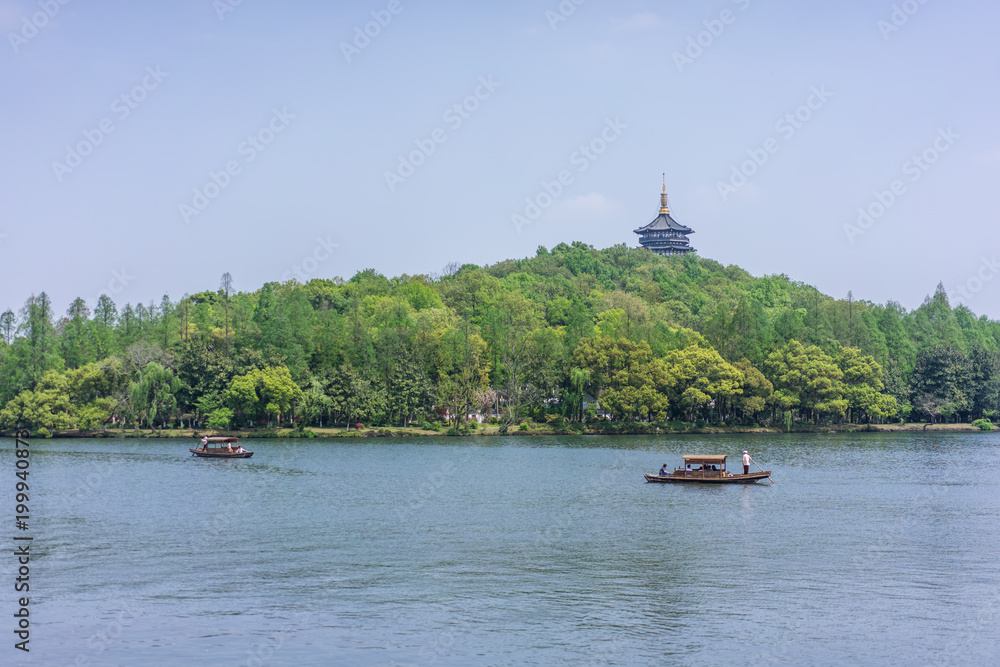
(875, 548)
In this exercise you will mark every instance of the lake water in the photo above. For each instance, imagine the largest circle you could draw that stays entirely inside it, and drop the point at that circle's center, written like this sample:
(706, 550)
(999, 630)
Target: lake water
(875, 549)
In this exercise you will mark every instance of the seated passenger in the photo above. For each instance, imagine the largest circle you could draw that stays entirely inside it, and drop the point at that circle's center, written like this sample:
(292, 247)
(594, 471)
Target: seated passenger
(663, 470)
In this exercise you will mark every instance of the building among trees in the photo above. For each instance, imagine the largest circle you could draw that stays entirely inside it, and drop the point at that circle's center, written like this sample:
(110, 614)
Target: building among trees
(664, 235)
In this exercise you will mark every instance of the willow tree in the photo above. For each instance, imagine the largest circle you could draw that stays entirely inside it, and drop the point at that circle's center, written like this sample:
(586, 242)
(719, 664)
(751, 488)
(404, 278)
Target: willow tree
(153, 394)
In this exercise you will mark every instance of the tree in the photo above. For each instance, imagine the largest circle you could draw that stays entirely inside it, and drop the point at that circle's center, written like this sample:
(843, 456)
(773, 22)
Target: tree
(638, 391)
(509, 325)
(226, 286)
(863, 387)
(940, 382)
(984, 381)
(48, 406)
(220, 418)
(8, 326)
(603, 357)
(75, 335)
(105, 311)
(463, 373)
(698, 376)
(268, 391)
(41, 342)
(757, 390)
(408, 390)
(166, 320)
(153, 394)
(364, 397)
(242, 396)
(579, 378)
(808, 378)
(314, 402)
(278, 392)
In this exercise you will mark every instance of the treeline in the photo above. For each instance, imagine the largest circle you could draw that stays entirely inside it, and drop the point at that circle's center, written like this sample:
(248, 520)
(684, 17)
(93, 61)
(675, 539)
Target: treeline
(571, 335)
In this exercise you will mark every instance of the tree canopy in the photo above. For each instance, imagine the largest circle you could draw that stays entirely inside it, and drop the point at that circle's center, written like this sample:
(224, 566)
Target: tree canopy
(577, 332)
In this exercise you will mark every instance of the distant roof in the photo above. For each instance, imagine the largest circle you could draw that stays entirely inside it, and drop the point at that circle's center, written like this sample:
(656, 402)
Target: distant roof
(663, 222)
(714, 458)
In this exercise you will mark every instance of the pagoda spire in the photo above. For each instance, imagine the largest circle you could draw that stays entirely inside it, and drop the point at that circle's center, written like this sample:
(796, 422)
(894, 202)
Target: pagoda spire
(663, 197)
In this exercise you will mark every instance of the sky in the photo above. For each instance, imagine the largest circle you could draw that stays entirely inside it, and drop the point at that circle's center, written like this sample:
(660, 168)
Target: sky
(148, 148)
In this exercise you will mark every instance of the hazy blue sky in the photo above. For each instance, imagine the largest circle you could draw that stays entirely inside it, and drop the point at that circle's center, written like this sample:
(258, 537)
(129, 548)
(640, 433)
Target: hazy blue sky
(346, 151)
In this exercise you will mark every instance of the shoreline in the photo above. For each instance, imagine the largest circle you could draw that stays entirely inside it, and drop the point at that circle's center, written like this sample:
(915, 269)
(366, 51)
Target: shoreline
(494, 431)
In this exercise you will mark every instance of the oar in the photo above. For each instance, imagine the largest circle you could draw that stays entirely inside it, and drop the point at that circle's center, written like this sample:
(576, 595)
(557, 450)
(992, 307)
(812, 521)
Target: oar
(762, 470)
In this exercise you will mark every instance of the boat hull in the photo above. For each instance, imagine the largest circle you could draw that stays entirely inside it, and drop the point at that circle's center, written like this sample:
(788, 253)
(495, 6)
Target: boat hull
(749, 478)
(201, 453)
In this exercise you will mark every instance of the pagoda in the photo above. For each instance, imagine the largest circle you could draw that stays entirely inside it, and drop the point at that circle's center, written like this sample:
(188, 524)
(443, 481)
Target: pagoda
(664, 235)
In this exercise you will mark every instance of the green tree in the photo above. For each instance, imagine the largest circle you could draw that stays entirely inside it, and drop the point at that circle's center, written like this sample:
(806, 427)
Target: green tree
(314, 402)
(863, 387)
(940, 382)
(75, 338)
(808, 378)
(8, 326)
(757, 391)
(242, 395)
(48, 406)
(153, 394)
(364, 398)
(984, 382)
(220, 418)
(39, 354)
(698, 376)
(226, 287)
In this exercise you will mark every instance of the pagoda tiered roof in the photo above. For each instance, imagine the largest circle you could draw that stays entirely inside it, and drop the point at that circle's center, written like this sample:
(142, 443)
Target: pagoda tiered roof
(664, 235)
(664, 222)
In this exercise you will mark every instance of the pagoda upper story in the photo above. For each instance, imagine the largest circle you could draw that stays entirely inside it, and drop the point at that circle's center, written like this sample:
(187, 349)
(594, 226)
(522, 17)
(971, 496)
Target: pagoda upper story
(664, 235)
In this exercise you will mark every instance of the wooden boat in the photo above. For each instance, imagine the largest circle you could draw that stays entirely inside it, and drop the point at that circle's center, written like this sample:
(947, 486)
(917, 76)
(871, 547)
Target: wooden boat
(707, 469)
(225, 448)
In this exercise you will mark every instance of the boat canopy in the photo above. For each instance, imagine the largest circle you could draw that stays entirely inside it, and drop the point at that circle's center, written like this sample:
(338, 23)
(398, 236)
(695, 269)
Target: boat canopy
(220, 439)
(708, 458)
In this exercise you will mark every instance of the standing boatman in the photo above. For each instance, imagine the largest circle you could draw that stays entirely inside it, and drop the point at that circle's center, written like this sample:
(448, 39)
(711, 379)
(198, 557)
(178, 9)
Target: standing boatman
(746, 462)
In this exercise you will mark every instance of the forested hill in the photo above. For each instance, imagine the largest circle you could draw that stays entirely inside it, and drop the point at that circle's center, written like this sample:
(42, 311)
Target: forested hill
(651, 338)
